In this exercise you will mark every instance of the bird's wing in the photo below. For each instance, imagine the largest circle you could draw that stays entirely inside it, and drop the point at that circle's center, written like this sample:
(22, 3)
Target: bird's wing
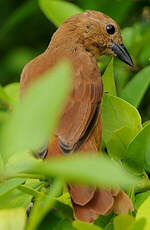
(82, 109)
(80, 114)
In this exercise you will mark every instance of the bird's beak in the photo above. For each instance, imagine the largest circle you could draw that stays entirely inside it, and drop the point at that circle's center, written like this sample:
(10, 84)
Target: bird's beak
(122, 53)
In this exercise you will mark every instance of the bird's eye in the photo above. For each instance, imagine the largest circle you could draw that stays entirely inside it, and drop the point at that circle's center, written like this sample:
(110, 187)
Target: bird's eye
(110, 29)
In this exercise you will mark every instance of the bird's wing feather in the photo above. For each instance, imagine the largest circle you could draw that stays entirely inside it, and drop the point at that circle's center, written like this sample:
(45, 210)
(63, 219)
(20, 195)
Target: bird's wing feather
(82, 107)
(81, 113)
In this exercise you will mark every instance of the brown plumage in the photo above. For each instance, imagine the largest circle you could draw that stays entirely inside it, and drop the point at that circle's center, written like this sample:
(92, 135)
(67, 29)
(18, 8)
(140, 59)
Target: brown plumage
(81, 39)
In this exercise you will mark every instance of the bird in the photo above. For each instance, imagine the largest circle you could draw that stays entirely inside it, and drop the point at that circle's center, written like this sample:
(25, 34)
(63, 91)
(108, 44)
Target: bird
(82, 38)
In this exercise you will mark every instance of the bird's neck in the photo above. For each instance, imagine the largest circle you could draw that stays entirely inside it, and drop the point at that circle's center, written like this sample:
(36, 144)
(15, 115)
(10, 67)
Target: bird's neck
(70, 39)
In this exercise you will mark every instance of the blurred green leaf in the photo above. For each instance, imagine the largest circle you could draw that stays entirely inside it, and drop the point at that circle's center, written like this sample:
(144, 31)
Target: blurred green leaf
(19, 162)
(13, 219)
(105, 221)
(79, 225)
(122, 75)
(138, 225)
(15, 199)
(44, 204)
(140, 198)
(109, 226)
(4, 99)
(123, 221)
(138, 151)
(9, 185)
(143, 212)
(64, 210)
(92, 5)
(136, 37)
(50, 9)
(32, 122)
(19, 15)
(144, 57)
(55, 221)
(116, 114)
(4, 116)
(13, 91)
(108, 80)
(28, 190)
(146, 123)
(64, 225)
(136, 88)
(16, 59)
(110, 8)
(118, 143)
(89, 169)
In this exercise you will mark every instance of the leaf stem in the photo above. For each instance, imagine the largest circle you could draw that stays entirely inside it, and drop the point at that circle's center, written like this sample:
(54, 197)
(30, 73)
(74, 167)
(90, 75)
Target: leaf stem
(26, 175)
(44, 204)
(29, 190)
(145, 186)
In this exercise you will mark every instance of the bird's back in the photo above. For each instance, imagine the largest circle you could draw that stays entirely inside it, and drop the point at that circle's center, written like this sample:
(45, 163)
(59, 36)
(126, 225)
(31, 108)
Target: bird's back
(82, 110)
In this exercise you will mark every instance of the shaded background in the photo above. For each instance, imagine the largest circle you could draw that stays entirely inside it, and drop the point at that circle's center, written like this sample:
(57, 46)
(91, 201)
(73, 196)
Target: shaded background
(25, 33)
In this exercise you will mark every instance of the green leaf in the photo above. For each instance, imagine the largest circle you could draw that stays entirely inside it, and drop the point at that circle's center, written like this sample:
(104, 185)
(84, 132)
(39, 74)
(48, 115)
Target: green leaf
(123, 221)
(44, 204)
(109, 226)
(108, 80)
(13, 92)
(118, 143)
(15, 199)
(79, 225)
(28, 190)
(146, 123)
(35, 118)
(55, 221)
(50, 9)
(143, 212)
(4, 99)
(111, 9)
(19, 162)
(4, 116)
(144, 55)
(92, 5)
(116, 114)
(9, 185)
(138, 151)
(64, 225)
(26, 10)
(140, 198)
(122, 76)
(13, 219)
(65, 199)
(137, 87)
(64, 210)
(138, 225)
(136, 38)
(16, 59)
(104, 221)
(89, 169)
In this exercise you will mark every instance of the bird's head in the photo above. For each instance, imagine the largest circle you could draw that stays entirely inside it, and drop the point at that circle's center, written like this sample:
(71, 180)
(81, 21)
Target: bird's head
(100, 34)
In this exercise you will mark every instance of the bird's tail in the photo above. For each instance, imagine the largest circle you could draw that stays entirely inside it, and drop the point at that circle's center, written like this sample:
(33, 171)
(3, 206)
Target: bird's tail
(102, 203)
(89, 202)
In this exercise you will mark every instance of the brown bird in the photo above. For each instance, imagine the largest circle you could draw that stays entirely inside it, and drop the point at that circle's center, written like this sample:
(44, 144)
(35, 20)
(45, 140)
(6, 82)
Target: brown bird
(81, 39)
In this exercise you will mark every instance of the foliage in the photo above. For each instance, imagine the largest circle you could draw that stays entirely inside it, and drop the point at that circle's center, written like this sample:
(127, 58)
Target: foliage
(26, 126)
